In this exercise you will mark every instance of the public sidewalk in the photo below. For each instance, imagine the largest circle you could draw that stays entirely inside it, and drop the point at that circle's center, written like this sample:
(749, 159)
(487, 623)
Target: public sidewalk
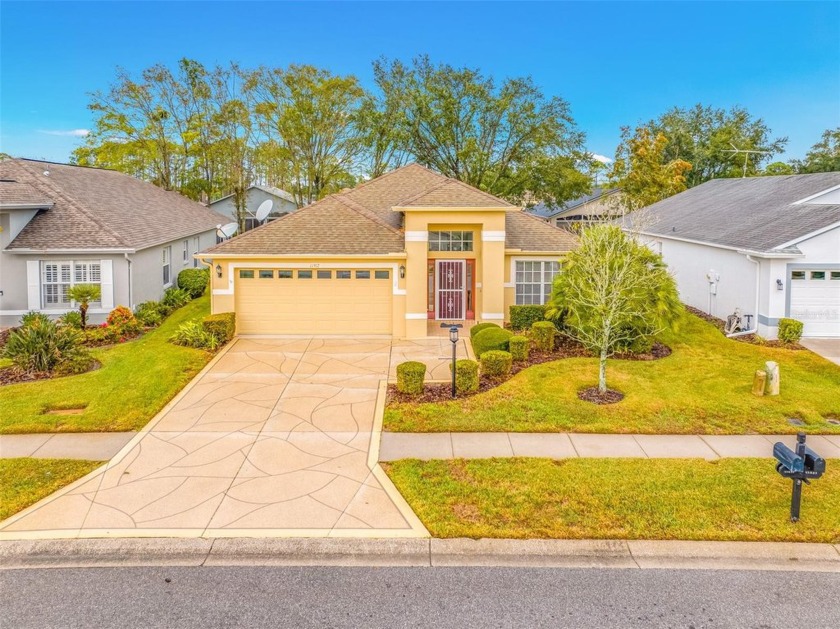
(102, 446)
(482, 445)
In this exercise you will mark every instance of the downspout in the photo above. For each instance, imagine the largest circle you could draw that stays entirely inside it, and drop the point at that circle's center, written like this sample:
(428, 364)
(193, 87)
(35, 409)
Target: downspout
(757, 289)
(130, 288)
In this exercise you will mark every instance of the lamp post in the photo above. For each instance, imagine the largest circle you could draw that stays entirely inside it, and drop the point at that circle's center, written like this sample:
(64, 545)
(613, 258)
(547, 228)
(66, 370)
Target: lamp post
(453, 337)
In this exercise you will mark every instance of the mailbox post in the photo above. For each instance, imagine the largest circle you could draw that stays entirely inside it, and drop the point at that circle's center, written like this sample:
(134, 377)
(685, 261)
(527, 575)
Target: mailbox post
(800, 466)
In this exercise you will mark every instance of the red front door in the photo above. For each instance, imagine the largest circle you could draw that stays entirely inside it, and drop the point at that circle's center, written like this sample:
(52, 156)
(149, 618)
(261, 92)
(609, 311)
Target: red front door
(451, 284)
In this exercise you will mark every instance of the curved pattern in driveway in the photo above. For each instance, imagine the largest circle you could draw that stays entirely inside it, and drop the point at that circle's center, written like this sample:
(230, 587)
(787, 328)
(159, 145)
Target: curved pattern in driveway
(271, 439)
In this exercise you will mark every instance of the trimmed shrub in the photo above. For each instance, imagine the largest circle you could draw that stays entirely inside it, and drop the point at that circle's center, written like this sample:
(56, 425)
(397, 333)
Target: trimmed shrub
(81, 363)
(496, 364)
(790, 330)
(222, 326)
(543, 334)
(148, 314)
(33, 315)
(478, 327)
(523, 317)
(101, 335)
(123, 321)
(193, 334)
(42, 345)
(72, 319)
(490, 339)
(466, 376)
(174, 298)
(194, 281)
(410, 377)
(519, 348)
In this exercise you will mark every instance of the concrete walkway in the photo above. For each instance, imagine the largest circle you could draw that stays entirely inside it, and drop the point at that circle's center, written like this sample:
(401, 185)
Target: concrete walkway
(275, 437)
(482, 445)
(92, 446)
(828, 348)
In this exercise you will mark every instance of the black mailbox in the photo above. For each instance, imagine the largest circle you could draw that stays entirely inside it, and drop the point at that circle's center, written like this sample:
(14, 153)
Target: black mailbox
(800, 466)
(814, 464)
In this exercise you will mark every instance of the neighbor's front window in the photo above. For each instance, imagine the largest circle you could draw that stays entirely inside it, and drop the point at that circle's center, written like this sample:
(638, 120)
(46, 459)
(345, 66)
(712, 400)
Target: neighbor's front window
(533, 281)
(450, 241)
(167, 266)
(58, 277)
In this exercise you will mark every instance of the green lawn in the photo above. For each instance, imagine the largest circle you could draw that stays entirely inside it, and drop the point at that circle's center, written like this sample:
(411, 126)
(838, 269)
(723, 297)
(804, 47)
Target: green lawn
(703, 387)
(690, 499)
(135, 381)
(25, 481)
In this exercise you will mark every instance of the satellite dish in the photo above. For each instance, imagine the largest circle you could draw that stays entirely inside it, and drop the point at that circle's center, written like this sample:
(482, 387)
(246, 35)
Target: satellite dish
(264, 210)
(226, 231)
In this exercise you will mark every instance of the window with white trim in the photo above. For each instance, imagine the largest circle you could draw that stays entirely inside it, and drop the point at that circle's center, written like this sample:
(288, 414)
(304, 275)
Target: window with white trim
(186, 251)
(533, 280)
(58, 277)
(167, 266)
(195, 250)
(450, 241)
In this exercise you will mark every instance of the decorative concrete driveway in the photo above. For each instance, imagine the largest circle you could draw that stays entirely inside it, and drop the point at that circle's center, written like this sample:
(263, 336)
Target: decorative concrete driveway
(273, 438)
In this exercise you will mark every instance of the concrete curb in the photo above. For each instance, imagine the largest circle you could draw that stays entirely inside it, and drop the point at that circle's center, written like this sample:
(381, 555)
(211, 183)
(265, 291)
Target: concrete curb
(623, 554)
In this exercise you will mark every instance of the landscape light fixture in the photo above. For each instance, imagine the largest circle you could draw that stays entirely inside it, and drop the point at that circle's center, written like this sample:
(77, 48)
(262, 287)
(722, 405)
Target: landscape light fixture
(218, 270)
(453, 337)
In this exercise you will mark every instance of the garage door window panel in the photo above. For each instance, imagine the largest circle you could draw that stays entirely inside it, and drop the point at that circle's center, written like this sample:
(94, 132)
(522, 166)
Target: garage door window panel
(284, 275)
(246, 275)
(324, 275)
(266, 275)
(342, 275)
(304, 275)
(362, 275)
(382, 275)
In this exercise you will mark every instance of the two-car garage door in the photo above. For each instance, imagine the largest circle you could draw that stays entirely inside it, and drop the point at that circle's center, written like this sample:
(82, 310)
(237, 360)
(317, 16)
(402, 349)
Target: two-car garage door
(815, 300)
(313, 301)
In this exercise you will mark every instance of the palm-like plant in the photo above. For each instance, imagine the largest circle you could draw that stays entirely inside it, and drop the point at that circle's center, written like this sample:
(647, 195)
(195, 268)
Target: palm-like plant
(83, 294)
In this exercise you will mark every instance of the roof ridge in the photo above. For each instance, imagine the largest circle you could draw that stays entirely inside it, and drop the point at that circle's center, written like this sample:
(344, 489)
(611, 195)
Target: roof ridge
(362, 211)
(485, 193)
(72, 201)
(423, 193)
(391, 172)
(448, 181)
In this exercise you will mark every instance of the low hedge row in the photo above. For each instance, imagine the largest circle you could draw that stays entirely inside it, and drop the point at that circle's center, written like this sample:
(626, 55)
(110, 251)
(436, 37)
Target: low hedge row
(496, 364)
(543, 334)
(523, 317)
(222, 326)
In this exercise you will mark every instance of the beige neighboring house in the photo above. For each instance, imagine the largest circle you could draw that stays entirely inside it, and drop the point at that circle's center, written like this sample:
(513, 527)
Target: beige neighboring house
(62, 225)
(599, 205)
(398, 255)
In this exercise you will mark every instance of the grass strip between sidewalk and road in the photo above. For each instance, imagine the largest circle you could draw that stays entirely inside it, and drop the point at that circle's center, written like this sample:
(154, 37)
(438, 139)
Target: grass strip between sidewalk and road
(642, 499)
(135, 381)
(703, 387)
(23, 482)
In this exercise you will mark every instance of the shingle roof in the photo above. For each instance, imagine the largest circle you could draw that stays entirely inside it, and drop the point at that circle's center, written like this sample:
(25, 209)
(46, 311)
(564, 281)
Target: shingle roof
(14, 194)
(756, 213)
(530, 233)
(361, 221)
(277, 192)
(103, 209)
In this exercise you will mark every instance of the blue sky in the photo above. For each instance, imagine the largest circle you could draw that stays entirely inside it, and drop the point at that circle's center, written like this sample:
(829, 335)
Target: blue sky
(616, 63)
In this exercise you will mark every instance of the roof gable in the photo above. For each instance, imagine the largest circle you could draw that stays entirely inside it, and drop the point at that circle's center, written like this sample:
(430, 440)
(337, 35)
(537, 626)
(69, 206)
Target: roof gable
(454, 193)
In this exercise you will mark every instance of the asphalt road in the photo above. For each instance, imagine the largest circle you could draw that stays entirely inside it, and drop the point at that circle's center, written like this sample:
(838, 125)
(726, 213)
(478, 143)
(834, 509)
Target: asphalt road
(415, 597)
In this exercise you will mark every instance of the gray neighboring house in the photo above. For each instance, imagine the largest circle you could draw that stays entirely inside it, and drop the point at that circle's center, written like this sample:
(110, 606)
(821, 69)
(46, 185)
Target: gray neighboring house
(61, 225)
(283, 203)
(591, 208)
(768, 246)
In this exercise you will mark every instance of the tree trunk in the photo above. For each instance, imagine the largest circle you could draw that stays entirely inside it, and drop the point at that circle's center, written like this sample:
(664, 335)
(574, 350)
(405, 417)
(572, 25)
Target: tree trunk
(83, 311)
(602, 372)
(773, 377)
(759, 382)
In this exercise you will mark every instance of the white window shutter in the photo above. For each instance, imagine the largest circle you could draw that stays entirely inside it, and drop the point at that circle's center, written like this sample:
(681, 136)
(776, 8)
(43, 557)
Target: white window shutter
(33, 284)
(106, 270)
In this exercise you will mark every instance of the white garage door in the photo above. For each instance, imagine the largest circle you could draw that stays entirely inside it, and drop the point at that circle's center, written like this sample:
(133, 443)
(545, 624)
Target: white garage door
(815, 300)
(313, 301)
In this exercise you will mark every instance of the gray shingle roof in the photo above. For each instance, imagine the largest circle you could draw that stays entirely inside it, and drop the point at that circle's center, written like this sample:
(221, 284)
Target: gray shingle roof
(544, 211)
(756, 213)
(103, 209)
(362, 221)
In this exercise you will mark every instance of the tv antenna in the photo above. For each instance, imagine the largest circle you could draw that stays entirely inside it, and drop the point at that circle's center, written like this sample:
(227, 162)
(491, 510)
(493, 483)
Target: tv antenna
(746, 153)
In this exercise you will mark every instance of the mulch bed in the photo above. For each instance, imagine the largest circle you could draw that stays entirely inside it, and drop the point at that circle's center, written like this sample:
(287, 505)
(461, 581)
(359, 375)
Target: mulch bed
(11, 375)
(564, 348)
(592, 394)
(752, 339)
